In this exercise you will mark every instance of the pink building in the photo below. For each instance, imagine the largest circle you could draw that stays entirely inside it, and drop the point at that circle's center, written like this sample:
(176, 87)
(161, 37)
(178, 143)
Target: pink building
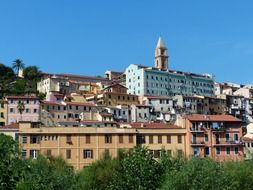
(216, 136)
(31, 109)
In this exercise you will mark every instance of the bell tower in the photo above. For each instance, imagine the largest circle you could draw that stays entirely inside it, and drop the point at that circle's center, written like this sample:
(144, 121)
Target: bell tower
(161, 55)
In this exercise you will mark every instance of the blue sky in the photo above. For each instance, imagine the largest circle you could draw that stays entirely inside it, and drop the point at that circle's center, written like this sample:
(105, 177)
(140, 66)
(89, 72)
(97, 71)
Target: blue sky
(89, 37)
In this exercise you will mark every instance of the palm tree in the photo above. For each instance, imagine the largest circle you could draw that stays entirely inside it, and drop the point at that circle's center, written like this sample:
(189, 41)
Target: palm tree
(18, 65)
(21, 108)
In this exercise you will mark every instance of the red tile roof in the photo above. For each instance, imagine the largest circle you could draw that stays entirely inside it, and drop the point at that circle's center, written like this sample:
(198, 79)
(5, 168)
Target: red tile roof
(21, 97)
(80, 104)
(158, 97)
(221, 118)
(11, 126)
(52, 103)
(153, 125)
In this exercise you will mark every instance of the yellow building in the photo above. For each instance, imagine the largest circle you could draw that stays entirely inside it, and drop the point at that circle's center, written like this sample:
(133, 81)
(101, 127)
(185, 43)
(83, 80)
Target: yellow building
(113, 99)
(3, 113)
(158, 136)
(79, 146)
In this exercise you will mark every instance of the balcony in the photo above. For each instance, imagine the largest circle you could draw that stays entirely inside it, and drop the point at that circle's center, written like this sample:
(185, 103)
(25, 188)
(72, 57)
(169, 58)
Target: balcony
(196, 130)
(228, 143)
(197, 143)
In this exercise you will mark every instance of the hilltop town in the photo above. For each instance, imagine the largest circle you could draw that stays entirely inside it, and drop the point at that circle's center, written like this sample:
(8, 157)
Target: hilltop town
(81, 117)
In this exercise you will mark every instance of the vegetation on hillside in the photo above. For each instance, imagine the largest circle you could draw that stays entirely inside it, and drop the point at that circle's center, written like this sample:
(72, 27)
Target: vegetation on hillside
(12, 84)
(135, 169)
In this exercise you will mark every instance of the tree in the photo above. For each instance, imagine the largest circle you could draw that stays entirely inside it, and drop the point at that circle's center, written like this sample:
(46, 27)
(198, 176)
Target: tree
(48, 174)
(6, 78)
(10, 165)
(99, 174)
(21, 108)
(197, 173)
(18, 65)
(32, 73)
(139, 171)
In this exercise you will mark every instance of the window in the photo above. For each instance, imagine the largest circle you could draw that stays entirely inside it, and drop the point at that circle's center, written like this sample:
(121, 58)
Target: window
(160, 139)
(34, 154)
(179, 139)
(49, 153)
(140, 139)
(11, 110)
(157, 153)
(87, 139)
(24, 139)
(68, 139)
(206, 137)
(207, 152)
(150, 139)
(131, 138)
(27, 110)
(35, 110)
(236, 137)
(180, 153)
(59, 107)
(168, 139)
(228, 150)
(23, 154)
(218, 150)
(76, 107)
(108, 139)
(169, 153)
(227, 137)
(236, 150)
(120, 139)
(2, 115)
(34, 140)
(87, 153)
(68, 154)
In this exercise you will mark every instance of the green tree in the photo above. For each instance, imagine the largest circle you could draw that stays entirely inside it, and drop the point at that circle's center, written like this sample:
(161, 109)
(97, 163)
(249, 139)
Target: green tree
(197, 173)
(21, 108)
(10, 165)
(18, 65)
(6, 78)
(99, 174)
(239, 175)
(32, 73)
(139, 171)
(48, 174)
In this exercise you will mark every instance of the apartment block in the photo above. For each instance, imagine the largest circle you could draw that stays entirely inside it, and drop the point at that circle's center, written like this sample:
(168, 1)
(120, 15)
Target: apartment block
(216, 136)
(79, 146)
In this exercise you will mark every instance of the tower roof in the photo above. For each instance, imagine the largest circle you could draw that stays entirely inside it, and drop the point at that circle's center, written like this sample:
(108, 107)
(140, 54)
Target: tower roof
(160, 43)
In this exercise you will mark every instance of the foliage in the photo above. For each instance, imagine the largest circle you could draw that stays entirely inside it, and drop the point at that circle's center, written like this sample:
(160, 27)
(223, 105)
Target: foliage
(197, 173)
(10, 164)
(18, 65)
(240, 175)
(139, 171)
(32, 73)
(99, 174)
(48, 174)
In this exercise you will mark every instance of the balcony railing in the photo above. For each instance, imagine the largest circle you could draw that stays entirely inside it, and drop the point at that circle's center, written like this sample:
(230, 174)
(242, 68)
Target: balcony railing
(228, 142)
(197, 143)
(197, 129)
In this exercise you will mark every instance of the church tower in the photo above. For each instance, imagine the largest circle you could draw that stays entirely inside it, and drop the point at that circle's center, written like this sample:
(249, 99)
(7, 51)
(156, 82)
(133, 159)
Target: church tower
(161, 55)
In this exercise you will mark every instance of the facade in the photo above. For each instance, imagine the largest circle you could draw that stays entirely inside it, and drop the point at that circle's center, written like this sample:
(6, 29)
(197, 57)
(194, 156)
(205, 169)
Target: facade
(67, 83)
(79, 146)
(31, 108)
(248, 142)
(159, 81)
(216, 136)
(141, 113)
(3, 113)
(11, 130)
(159, 136)
(54, 112)
(113, 99)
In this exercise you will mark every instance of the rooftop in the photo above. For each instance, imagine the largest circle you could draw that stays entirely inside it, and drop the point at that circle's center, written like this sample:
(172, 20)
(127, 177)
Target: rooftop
(219, 118)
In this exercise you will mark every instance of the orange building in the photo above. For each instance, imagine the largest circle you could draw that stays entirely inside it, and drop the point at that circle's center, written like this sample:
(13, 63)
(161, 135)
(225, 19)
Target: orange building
(214, 136)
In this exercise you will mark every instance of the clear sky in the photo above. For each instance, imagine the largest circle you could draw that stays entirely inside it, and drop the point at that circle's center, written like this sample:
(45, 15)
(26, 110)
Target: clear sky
(91, 36)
